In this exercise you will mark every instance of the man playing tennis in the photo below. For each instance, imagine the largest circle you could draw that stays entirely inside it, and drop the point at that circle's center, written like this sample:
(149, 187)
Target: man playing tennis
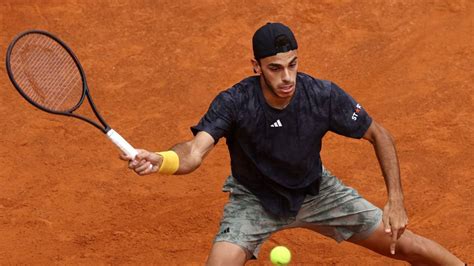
(274, 124)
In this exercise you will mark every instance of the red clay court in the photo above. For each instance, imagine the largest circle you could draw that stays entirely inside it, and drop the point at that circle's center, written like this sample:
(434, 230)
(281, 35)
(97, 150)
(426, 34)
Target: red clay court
(153, 68)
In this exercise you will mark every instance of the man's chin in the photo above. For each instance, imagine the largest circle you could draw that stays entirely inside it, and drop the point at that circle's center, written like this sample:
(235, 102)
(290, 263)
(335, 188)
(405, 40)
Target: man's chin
(286, 92)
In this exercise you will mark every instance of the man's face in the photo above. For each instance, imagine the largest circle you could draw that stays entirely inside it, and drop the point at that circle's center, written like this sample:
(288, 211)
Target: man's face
(279, 73)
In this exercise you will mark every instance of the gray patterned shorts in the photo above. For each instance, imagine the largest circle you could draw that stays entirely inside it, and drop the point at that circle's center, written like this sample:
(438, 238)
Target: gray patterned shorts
(338, 212)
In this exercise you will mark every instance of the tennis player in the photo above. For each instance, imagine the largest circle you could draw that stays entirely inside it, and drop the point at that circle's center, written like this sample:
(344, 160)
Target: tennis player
(274, 123)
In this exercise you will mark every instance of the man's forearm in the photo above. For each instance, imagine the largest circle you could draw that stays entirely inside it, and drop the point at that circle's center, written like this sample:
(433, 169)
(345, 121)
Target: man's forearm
(191, 153)
(387, 156)
(188, 159)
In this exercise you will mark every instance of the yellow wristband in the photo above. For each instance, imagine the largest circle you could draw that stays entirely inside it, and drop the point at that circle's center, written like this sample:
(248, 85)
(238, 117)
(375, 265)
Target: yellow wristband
(170, 162)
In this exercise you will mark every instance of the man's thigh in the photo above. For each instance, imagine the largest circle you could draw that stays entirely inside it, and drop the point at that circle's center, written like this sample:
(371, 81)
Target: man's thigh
(244, 221)
(338, 211)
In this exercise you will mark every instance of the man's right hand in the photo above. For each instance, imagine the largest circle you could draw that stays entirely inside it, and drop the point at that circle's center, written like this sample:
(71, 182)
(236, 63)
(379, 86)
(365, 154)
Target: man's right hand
(144, 163)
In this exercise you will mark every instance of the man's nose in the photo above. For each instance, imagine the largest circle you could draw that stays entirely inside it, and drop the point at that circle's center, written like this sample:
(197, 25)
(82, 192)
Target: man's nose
(286, 75)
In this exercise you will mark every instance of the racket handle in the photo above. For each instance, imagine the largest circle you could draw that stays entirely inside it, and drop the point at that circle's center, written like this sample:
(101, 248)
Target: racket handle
(121, 143)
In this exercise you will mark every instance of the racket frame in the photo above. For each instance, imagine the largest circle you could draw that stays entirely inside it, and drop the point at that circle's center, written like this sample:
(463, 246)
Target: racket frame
(118, 140)
(85, 89)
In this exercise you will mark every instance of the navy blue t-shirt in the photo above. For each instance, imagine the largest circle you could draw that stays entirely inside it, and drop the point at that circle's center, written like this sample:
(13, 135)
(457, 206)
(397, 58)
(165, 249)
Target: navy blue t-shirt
(275, 153)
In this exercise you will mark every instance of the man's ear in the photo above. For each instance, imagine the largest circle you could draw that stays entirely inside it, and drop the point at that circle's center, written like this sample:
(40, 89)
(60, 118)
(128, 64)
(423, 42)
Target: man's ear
(255, 66)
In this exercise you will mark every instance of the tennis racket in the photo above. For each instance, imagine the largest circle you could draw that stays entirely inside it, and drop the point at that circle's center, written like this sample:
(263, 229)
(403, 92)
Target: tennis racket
(48, 75)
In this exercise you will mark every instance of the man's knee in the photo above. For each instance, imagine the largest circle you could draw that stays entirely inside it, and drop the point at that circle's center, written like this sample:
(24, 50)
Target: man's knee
(412, 247)
(226, 253)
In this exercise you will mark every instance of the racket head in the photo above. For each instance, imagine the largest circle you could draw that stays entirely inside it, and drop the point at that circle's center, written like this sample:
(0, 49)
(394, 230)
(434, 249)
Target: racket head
(45, 71)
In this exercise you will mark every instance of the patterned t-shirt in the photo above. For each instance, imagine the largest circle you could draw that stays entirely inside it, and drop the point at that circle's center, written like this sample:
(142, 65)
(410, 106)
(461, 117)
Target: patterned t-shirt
(276, 153)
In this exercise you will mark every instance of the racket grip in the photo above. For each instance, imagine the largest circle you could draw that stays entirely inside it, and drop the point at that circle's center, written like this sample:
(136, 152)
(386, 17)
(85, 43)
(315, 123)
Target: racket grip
(121, 143)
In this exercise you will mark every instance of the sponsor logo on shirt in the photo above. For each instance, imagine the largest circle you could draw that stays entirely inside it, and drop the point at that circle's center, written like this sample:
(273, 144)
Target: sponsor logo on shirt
(277, 124)
(355, 115)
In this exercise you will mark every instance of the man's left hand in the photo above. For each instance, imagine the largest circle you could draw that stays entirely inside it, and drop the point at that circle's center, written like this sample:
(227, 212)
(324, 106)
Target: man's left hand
(395, 221)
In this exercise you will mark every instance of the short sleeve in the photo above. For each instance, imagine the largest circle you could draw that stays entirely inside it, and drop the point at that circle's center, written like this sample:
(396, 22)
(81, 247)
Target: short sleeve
(219, 118)
(347, 117)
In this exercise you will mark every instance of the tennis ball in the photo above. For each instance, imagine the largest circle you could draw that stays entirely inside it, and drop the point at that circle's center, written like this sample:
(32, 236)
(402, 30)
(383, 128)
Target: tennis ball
(280, 255)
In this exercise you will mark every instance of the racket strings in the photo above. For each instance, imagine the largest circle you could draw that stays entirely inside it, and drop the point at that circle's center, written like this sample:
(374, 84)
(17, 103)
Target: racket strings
(65, 80)
(46, 72)
(56, 97)
(43, 89)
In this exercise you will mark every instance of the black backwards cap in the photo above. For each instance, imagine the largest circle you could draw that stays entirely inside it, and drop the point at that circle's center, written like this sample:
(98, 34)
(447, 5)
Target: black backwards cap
(271, 39)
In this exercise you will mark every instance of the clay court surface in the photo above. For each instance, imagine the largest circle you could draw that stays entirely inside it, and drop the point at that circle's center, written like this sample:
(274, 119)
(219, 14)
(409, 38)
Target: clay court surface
(154, 66)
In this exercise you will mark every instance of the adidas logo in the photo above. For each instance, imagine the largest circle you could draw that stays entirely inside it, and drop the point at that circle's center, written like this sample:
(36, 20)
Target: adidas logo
(276, 124)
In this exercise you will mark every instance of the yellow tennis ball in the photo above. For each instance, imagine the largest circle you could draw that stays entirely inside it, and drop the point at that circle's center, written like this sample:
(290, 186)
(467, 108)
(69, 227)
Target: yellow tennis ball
(280, 255)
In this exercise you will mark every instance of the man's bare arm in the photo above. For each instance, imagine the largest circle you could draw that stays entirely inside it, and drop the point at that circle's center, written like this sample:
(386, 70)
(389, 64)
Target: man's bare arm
(190, 154)
(394, 217)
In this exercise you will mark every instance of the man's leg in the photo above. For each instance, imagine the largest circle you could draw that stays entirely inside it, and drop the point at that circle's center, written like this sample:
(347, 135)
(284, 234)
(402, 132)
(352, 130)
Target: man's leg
(225, 253)
(341, 213)
(244, 226)
(411, 247)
